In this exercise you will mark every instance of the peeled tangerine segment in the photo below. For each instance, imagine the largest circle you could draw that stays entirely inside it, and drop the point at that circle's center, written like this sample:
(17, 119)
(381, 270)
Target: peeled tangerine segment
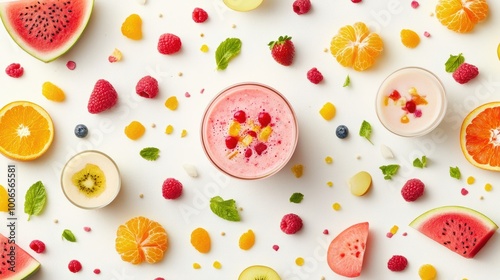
(462, 230)
(91, 180)
(360, 183)
(259, 272)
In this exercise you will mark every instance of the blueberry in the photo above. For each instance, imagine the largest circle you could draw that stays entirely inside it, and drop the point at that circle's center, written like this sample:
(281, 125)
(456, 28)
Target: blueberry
(342, 131)
(81, 130)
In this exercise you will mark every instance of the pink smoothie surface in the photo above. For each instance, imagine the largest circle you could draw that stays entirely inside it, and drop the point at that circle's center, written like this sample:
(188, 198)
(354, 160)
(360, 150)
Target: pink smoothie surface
(247, 160)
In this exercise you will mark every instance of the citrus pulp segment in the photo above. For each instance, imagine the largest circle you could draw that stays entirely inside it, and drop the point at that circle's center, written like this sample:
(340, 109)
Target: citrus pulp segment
(461, 15)
(27, 130)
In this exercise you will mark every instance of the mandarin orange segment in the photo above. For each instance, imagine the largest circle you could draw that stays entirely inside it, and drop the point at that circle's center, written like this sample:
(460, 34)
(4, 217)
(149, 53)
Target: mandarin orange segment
(27, 130)
(141, 239)
(461, 15)
(355, 46)
(480, 136)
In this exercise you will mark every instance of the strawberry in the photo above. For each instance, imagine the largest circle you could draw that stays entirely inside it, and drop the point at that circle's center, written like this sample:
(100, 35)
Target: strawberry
(102, 98)
(283, 50)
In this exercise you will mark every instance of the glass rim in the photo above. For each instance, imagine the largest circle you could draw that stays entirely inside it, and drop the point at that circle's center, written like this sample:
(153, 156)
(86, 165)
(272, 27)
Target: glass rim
(205, 118)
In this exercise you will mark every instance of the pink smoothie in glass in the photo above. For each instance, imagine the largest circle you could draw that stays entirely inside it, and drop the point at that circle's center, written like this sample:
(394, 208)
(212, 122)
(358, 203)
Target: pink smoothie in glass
(249, 131)
(411, 102)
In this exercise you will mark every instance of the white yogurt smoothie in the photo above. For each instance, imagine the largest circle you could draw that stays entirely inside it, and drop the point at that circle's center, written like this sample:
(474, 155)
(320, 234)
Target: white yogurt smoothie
(249, 131)
(106, 165)
(411, 102)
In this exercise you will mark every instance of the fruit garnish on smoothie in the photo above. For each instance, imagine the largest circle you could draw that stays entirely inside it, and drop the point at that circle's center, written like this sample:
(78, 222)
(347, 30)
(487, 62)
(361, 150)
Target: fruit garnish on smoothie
(409, 103)
(90, 180)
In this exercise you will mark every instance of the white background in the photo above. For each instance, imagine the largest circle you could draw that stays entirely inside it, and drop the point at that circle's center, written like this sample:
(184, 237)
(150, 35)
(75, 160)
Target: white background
(264, 202)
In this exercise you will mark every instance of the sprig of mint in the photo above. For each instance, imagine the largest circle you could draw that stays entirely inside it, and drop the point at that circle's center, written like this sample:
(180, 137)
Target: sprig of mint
(296, 197)
(226, 209)
(420, 163)
(150, 153)
(68, 235)
(453, 62)
(347, 81)
(226, 50)
(455, 172)
(366, 131)
(389, 170)
(35, 199)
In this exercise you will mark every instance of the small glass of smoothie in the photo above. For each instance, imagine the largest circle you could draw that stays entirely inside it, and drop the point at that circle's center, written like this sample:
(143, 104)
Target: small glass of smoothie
(90, 180)
(249, 131)
(411, 102)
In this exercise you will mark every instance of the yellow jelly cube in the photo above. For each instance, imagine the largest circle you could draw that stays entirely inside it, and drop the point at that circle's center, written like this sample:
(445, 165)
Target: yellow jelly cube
(265, 133)
(328, 111)
(247, 140)
(172, 103)
(234, 128)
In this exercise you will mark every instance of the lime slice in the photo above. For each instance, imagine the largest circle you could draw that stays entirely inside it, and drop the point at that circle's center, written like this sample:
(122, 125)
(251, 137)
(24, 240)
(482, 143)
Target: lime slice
(243, 5)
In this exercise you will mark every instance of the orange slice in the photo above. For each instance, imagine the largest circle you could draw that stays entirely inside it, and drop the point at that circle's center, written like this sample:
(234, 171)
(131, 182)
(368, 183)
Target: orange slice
(141, 239)
(355, 46)
(461, 15)
(26, 129)
(480, 136)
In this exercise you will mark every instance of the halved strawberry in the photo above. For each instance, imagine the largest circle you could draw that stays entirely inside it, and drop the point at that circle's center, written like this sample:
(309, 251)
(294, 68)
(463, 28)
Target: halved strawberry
(283, 50)
(347, 250)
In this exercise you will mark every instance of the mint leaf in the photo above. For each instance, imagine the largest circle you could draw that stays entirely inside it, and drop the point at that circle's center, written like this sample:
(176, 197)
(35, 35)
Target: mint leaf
(68, 235)
(453, 62)
(420, 163)
(389, 170)
(455, 172)
(296, 197)
(35, 199)
(347, 81)
(226, 51)
(366, 131)
(150, 153)
(226, 209)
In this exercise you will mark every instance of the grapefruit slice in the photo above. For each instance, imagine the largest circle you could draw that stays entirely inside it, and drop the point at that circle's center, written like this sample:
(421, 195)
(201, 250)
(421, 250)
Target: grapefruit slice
(346, 251)
(480, 136)
(462, 230)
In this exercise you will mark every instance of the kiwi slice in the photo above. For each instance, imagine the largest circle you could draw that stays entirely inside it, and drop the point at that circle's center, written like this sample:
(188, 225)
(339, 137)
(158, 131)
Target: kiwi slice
(259, 272)
(90, 181)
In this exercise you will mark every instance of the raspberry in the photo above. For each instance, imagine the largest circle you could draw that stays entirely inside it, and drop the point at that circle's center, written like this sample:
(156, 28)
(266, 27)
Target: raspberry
(14, 70)
(37, 246)
(397, 263)
(74, 266)
(356, 1)
(415, 4)
(314, 76)
(465, 72)
(291, 223)
(147, 87)
(199, 15)
(412, 190)
(102, 98)
(301, 6)
(171, 188)
(169, 43)
(71, 65)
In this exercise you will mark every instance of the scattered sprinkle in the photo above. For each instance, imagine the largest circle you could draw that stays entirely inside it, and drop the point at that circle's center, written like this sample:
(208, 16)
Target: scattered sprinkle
(427, 34)
(87, 229)
(336, 206)
(115, 56)
(325, 50)
(325, 232)
(298, 170)
(223, 234)
(405, 233)
(322, 278)
(328, 160)
(97, 271)
(233, 25)
(160, 15)
(190, 170)
(471, 180)
(414, 4)
(276, 247)
(328, 111)
(196, 266)
(56, 221)
(134, 130)
(299, 261)
(141, 195)
(169, 129)
(386, 152)
(488, 187)
(329, 183)
(217, 265)
(204, 48)
(247, 240)
(202, 35)
(172, 103)
(202, 91)
(153, 125)
(358, 157)
(71, 65)
(183, 133)
(180, 74)
(389, 235)
(464, 191)
(394, 229)
(187, 94)
(427, 272)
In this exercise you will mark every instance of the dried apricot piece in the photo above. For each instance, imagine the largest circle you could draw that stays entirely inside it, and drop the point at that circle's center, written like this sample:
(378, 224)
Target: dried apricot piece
(135, 130)
(132, 27)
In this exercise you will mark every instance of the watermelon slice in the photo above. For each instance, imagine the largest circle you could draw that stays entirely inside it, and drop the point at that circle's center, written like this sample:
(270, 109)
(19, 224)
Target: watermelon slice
(347, 250)
(15, 263)
(46, 29)
(463, 230)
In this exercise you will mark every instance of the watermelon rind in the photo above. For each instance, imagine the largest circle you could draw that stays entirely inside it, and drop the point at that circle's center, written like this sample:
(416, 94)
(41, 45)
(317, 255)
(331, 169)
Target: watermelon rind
(25, 266)
(34, 46)
(427, 224)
